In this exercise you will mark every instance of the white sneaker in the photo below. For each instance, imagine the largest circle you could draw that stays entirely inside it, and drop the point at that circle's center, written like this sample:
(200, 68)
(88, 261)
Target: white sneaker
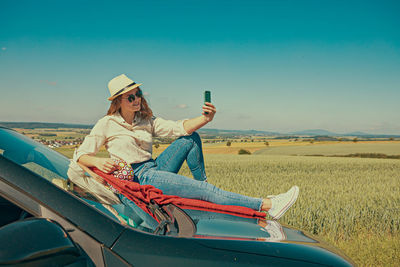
(275, 231)
(282, 202)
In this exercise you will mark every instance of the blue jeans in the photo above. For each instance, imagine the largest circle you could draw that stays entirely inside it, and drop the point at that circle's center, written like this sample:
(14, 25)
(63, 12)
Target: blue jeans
(162, 174)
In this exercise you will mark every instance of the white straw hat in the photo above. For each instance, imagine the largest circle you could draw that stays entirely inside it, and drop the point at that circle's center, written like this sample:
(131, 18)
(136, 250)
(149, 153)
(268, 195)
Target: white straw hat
(121, 84)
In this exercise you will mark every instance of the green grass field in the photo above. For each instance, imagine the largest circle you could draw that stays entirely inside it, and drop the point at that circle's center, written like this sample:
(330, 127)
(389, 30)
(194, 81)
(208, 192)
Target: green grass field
(352, 203)
(349, 202)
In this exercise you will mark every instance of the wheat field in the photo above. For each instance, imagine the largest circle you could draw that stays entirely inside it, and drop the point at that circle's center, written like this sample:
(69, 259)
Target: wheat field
(350, 202)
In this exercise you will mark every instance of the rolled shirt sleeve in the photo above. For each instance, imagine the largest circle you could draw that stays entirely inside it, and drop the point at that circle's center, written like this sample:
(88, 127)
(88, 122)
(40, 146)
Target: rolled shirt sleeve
(168, 128)
(92, 142)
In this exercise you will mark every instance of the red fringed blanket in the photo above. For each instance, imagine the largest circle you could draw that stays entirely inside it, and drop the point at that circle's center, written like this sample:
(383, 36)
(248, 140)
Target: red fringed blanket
(141, 195)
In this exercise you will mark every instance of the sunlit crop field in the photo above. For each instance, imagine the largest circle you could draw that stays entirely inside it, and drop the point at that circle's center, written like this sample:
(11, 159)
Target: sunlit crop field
(350, 202)
(388, 148)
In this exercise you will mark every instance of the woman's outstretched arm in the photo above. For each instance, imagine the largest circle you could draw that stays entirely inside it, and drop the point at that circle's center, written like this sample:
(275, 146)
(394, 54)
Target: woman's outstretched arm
(194, 124)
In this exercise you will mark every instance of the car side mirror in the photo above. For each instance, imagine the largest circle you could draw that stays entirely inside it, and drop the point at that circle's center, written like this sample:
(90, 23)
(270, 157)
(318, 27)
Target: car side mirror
(39, 242)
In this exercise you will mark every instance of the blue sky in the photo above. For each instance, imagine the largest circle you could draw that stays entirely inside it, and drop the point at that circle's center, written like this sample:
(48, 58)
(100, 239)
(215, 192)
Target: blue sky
(271, 65)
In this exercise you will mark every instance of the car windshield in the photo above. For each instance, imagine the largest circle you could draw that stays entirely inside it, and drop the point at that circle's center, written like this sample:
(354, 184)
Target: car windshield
(32, 155)
(54, 166)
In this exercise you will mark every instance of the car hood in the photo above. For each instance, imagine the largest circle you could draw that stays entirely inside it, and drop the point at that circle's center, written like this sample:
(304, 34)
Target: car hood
(264, 237)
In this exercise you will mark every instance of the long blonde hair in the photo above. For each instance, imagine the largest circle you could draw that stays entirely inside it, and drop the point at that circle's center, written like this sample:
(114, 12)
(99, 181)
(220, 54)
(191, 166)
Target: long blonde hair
(144, 113)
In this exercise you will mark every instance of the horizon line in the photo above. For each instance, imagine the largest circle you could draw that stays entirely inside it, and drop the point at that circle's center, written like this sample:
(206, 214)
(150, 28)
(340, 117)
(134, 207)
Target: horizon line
(296, 132)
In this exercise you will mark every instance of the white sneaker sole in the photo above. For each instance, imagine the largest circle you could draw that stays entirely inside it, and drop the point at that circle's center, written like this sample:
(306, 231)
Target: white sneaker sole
(289, 204)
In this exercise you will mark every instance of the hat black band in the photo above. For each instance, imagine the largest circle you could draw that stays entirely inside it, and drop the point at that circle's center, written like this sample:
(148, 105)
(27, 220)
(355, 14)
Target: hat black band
(124, 88)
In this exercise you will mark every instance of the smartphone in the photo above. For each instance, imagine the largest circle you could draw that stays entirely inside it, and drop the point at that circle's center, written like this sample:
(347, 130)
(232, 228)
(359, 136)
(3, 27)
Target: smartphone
(207, 97)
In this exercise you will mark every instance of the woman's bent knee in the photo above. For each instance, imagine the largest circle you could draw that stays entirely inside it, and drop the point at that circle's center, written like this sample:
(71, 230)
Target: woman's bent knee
(193, 138)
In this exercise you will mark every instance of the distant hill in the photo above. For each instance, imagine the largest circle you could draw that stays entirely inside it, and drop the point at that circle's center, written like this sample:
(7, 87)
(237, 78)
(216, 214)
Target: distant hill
(357, 133)
(320, 132)
(314, 132)
(33, 125)
(210, 132)
(221, 132)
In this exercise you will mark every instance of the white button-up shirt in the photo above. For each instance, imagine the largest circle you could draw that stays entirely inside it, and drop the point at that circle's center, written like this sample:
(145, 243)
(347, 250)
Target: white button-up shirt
(132, 143)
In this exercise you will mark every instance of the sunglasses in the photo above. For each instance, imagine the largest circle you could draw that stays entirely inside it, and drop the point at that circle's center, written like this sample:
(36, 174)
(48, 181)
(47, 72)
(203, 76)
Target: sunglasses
(132, 97)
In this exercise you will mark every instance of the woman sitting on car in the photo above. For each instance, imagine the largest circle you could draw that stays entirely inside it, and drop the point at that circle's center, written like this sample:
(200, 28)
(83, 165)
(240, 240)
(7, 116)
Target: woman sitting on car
(127, 132)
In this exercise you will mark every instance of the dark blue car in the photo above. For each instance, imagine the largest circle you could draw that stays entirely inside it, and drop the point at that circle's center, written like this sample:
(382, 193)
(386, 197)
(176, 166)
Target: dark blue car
(47, 219)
